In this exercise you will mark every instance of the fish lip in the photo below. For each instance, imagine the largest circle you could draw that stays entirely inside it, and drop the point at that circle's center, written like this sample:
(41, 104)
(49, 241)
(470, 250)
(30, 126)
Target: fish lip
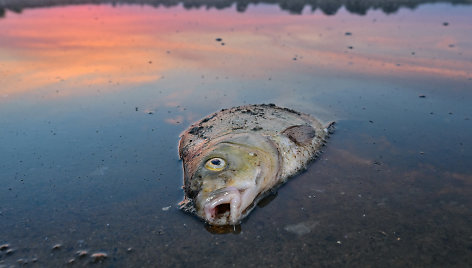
(239, 199)
(228, 195)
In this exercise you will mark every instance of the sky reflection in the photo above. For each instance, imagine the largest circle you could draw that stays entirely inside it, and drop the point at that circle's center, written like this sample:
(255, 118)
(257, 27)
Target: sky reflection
(71, 48)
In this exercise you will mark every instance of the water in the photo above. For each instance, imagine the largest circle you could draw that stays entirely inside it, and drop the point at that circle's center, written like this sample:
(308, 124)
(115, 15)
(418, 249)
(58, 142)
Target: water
(94, 96)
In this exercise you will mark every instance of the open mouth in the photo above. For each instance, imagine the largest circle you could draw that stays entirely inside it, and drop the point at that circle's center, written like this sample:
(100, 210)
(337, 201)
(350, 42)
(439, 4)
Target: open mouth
(222, 209)
(223, 206)
(228, 205)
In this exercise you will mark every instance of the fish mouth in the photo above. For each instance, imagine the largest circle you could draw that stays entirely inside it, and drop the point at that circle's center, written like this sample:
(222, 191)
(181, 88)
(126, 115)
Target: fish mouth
(225, 206)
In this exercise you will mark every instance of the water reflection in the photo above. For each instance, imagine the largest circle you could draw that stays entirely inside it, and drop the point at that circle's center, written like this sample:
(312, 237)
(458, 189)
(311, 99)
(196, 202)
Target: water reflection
(227, 229)
(328, 7)
(89, 46)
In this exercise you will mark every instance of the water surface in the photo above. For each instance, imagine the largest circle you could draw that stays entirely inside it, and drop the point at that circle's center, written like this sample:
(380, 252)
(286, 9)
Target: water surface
(94, 96)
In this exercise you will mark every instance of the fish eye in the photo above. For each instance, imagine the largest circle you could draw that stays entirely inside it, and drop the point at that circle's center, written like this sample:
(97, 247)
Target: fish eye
(215, 164)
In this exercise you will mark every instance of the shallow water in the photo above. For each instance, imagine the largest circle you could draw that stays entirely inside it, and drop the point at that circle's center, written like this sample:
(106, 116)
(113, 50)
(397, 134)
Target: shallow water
(93, 98)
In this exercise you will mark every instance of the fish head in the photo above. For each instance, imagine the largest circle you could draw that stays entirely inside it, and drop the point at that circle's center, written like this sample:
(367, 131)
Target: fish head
(228, 176)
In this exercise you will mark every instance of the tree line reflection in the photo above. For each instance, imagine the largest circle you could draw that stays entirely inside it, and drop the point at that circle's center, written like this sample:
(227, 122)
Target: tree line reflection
(328, 7)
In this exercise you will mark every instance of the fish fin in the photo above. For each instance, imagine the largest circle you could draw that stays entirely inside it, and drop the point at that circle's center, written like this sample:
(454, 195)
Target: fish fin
(301, 134)
(330, 127)
(187, 205)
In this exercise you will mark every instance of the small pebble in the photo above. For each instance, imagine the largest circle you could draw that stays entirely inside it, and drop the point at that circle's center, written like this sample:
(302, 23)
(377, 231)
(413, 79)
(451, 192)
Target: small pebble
(22, 261)
(81, 253)
(4, 247)
(99, 256)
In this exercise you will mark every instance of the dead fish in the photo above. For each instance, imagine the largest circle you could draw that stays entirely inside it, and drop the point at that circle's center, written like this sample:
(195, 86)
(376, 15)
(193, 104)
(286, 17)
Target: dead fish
(233, 158)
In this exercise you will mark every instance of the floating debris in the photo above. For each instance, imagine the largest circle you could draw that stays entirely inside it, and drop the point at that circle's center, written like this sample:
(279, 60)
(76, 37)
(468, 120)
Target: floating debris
(422, 96)
(149, 111)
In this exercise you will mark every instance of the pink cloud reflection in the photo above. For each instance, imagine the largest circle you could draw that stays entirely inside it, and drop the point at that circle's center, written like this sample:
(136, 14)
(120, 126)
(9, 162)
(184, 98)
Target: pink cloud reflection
(93, 45)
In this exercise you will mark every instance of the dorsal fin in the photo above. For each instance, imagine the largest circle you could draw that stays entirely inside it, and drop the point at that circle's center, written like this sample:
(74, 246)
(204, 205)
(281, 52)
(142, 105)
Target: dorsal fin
(301, 134)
